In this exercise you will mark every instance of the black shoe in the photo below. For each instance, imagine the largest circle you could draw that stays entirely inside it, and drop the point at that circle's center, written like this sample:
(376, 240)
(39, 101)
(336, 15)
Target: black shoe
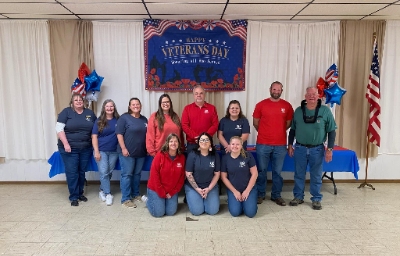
(74, 203)
(82, 198)
(184, 200)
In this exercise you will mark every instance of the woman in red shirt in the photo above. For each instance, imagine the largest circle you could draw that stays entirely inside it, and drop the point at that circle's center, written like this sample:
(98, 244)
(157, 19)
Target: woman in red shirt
(167, 175)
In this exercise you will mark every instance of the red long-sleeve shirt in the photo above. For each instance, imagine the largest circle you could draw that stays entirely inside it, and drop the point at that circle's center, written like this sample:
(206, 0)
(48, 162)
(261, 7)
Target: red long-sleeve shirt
(166, 175)
(196, 120)
(156, 138)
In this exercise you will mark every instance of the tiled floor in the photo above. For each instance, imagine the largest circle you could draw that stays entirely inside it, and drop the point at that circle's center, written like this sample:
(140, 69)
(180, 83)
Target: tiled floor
(38, 220)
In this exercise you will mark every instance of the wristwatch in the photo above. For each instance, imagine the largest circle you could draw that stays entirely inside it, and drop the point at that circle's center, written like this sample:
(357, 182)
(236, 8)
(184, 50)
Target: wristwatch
(329, 149)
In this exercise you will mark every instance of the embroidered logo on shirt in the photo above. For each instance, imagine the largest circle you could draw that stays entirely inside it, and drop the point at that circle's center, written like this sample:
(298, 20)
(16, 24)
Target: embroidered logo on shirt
(206, 111)
(283, 110)
(179, 165)
(242, 164)
(212, 164)
(238, 127)
(88, 118)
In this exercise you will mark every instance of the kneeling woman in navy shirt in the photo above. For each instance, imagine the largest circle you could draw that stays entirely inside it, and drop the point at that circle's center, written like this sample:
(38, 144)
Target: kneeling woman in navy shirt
(202, 173)
(167, 175)
(239, 174)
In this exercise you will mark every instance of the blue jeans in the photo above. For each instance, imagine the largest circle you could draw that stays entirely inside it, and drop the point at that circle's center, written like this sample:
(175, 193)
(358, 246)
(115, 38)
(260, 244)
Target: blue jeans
(248, 207)
(198, 205)
(106, 166)
(158, 206)
(275, 154)
(131, 168)
(314, 157)
(75, 164)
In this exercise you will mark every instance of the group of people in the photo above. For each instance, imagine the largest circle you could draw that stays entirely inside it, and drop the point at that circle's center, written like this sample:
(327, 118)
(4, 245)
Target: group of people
(130, 137)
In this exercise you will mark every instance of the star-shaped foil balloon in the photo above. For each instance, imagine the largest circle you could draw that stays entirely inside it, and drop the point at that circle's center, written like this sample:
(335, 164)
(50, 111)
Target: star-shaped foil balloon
(334, 94)
(93, 81)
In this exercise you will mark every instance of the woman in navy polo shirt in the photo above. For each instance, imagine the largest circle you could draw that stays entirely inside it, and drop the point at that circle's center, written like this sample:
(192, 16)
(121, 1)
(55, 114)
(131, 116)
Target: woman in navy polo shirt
(233, 124)
(202, 173)
(239, 174)
(74, 129)
(131, 133)
(104, 141)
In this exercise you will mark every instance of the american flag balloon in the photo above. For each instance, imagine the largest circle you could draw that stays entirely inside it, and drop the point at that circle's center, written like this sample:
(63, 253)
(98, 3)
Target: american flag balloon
(331, 75)
(78, 87)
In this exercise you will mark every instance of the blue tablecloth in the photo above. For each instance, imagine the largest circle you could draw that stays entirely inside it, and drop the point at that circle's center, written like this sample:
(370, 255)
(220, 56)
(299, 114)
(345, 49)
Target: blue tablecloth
(343, 160)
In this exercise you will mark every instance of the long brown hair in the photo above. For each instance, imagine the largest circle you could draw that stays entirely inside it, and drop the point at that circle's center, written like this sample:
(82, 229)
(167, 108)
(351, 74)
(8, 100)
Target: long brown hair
(160, 113)
(102, 121)
(165, 147)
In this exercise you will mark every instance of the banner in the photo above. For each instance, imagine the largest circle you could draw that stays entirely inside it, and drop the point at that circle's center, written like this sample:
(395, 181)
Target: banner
(181, 54)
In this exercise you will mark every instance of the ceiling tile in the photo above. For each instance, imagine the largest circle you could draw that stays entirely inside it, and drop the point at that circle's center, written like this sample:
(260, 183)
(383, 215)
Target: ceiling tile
(97, 1)
(113, 17)
(264, 9)
(378, 17)
(42, 16)
(326, 17)
(269, 1)
(187, 17)
(198, 9)
(354, 1)
(390, 10)
(177, 2)
(341, 9)
(257, 17)
(34, 8)
(107, 8)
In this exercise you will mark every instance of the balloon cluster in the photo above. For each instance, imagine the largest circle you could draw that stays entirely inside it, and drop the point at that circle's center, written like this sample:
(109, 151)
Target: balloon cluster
(87, 84)
(329, 88)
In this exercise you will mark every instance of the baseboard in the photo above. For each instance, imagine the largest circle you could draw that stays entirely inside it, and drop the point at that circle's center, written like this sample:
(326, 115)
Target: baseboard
(96, 182)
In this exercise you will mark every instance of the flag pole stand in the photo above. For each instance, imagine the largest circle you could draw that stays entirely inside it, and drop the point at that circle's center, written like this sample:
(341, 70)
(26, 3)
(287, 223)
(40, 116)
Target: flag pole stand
(365, 183)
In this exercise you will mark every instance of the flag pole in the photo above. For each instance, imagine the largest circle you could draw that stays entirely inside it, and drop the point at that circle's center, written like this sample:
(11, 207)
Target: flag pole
(365, 183)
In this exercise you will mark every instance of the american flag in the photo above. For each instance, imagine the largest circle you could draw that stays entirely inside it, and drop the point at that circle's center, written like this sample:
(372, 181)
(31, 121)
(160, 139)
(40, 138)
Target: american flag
(373, 96)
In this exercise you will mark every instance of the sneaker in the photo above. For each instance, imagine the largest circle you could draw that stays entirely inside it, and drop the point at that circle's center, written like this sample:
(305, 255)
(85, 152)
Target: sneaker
(82, 198)
(279, 201)
(128, 204)
(109, 199)
(260, 200)
(74, 203)
(316, 205)
(137, 199)
(296, 202)
(144, 198)
(102, 196)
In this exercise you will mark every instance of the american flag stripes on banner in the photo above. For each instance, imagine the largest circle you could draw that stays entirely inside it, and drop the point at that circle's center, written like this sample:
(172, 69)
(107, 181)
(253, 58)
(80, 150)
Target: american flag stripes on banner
(373, 96)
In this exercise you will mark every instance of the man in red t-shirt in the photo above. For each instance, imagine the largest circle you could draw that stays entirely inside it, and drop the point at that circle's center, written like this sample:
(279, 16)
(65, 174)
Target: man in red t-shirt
(271, 118)
(198, 117)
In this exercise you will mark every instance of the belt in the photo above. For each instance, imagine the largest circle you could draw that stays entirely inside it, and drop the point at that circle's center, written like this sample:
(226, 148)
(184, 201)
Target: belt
(308, 145)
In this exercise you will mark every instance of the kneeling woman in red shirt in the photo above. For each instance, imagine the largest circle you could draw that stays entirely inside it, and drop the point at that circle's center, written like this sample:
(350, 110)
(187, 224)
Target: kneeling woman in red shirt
(167, 175)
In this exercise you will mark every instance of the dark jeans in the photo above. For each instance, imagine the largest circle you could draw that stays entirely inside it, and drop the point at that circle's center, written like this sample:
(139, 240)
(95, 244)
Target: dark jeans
(75, 164)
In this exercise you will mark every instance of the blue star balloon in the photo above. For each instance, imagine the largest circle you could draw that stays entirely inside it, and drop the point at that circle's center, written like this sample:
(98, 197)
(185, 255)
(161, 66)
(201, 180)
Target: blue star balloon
(334, 94)
(93, 81)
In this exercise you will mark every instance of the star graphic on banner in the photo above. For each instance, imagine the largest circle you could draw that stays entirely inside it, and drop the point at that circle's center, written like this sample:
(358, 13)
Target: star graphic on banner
(224, 42)
(210, 40)
(217, 41)
(180, 40)
(173, 41)
(166, 42)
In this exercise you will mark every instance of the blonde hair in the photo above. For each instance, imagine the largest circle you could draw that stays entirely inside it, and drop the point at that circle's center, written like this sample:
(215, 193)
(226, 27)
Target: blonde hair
(242, 151)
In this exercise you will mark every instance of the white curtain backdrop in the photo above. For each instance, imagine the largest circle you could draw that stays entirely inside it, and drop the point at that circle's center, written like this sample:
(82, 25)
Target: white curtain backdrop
(294, 54)
(119, 58)
(27, 115)
(390, 90)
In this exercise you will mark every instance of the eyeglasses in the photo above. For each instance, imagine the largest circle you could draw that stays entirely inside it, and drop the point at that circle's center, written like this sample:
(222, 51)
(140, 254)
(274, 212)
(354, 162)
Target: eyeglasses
(204, 140)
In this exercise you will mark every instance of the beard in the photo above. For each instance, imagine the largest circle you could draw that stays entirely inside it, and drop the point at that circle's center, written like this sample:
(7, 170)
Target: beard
(276, 95)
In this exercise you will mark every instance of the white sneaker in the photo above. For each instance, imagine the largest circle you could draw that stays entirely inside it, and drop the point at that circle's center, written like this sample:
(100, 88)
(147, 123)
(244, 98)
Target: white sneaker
(109, 199)
(144, 198)
(102, 196)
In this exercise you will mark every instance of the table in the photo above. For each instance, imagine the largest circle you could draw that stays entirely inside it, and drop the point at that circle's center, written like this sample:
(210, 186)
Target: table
(344, 160)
